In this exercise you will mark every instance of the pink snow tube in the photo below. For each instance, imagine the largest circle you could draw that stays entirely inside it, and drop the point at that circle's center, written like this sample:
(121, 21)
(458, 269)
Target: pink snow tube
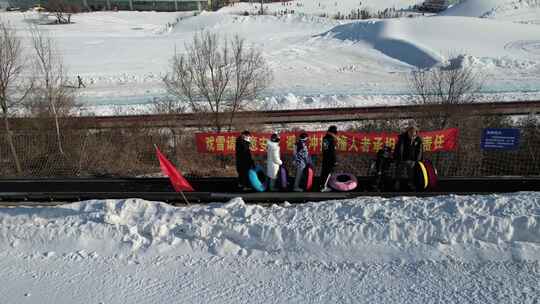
(343, 182)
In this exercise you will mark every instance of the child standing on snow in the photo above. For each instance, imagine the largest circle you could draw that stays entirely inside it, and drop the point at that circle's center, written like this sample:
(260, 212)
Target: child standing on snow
(273, 160)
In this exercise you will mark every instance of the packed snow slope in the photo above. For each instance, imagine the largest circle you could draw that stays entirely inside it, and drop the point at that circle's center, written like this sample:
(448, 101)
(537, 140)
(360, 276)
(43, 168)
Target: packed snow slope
(414, 41)
(491, 8)
(322, 7)
(317, 62)
(451, 249)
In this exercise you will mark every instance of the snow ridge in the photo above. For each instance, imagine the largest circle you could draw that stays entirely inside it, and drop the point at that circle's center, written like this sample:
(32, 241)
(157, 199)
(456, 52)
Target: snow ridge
(494, 227)
(379, 35)
(488, 8)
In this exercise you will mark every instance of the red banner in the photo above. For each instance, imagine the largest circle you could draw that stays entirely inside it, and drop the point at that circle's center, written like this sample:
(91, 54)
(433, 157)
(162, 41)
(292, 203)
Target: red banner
(348, 142)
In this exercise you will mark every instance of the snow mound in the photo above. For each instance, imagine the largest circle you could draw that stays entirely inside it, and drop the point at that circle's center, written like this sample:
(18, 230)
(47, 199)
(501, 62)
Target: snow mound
(474, 8)
(488, 8)
(319, 7)
(233, 23)
(494, 227)
(379, 35)
(415, 42)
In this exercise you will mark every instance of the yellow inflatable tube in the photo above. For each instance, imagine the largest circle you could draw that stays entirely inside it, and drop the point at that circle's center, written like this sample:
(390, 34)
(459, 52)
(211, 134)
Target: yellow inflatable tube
(425, 174)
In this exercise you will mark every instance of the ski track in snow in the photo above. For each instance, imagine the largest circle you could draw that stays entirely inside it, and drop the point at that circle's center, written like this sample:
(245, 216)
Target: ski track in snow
(184, 279)
(527, 46)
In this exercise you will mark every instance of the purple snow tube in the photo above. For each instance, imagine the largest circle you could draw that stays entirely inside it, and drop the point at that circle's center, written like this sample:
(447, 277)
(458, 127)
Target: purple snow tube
(343, 182)
(283, 178)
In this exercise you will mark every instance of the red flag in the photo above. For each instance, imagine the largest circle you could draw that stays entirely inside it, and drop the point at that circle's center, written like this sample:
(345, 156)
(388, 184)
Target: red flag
(177, 180)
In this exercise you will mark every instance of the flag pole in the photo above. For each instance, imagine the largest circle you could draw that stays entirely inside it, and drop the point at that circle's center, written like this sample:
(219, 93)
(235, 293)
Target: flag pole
(187, 202)
(181, 192)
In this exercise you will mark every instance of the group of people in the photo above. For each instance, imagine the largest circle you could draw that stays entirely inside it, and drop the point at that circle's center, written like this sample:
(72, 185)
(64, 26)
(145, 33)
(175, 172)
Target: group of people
(407, 152)
(244, 160)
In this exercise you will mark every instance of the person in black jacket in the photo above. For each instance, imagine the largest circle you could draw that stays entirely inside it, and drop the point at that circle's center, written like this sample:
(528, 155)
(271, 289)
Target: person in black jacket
(408, 151)
(329, 159)
(244, 161)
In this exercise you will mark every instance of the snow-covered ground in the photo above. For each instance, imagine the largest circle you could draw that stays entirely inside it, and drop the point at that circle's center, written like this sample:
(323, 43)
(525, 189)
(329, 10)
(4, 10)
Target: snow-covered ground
(448, 249)
(494, 8)
(321, 7)
(317, 62)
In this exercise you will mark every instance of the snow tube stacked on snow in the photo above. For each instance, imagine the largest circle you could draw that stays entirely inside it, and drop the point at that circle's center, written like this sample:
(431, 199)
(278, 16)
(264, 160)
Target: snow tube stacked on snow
(432, 174)
(257, 179)
(343, 182)
(425, 176)
(283, 176)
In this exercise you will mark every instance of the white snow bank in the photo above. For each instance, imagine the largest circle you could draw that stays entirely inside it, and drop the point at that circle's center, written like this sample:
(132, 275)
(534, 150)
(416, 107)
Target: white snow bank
(318, 7)
(490, 8)
(475, 8)
(423, 42)
(494, 227)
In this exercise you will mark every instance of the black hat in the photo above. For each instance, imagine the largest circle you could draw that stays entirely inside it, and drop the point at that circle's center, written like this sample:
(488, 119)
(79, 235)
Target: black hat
(303, 136)
(332, 129)
(246, 133)
(274, 137)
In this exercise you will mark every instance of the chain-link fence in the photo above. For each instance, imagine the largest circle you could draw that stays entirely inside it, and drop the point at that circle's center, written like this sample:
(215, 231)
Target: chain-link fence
(130, 152)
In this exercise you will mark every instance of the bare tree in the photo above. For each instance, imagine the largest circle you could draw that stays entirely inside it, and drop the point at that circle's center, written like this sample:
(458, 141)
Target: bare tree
(218, 76)
(445, 88)
(62, 10)
(167, 105)
(448, 86)
(12, 89)
(53, 96)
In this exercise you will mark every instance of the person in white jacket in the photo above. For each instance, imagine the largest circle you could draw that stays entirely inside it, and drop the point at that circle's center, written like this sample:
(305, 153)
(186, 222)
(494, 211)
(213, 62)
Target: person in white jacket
(273, 160)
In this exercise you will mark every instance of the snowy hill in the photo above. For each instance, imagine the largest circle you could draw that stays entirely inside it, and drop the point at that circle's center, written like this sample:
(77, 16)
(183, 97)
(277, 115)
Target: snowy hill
(475, 8)
(320, 7)
(414, 41)
(367, 250)
(317, 62)
(491, 8)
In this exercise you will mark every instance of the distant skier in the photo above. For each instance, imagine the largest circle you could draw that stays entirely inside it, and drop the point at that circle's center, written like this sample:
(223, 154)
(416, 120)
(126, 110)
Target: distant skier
(301, 160)
(273, 160)
(81, 84)
(408, 151)
(244, 161)
(329, 159)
